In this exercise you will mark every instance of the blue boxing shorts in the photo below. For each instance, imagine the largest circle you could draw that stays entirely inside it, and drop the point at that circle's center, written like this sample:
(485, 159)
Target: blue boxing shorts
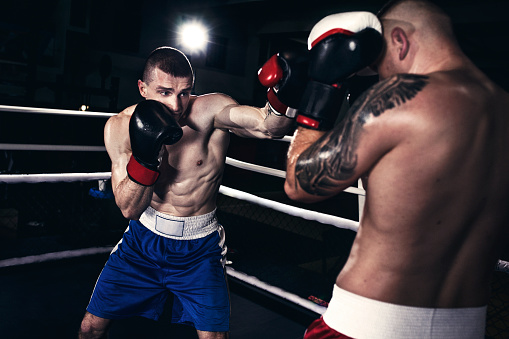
(160, 254)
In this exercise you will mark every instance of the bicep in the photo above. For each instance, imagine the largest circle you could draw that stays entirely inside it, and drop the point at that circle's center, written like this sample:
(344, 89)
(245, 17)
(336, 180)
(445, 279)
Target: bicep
(341, 156)
(244, 121)
(117, 145)
(377, 122)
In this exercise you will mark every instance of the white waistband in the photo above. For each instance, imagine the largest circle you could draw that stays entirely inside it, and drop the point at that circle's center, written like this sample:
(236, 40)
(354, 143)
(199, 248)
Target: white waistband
(180, 228)
(359, 317)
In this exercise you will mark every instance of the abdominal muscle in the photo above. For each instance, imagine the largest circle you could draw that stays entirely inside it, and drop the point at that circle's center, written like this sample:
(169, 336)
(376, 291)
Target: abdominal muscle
(188, 185)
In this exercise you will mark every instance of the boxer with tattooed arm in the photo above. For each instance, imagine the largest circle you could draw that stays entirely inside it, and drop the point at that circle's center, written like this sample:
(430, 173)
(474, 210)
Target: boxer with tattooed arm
(429, 141)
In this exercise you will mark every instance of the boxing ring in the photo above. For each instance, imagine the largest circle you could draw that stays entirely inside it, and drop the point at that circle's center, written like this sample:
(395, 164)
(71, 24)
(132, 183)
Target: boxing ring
(314, 233)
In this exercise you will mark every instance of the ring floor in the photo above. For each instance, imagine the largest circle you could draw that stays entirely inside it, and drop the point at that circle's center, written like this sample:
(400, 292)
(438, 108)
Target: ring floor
(48, 300)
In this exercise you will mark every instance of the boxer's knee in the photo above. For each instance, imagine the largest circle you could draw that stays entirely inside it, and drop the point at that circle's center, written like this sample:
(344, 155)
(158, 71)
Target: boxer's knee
(212, 335)
(93, 327)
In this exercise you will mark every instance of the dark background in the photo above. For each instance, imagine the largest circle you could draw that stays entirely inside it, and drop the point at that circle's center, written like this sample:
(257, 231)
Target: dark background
(65, 53)
(68, 53)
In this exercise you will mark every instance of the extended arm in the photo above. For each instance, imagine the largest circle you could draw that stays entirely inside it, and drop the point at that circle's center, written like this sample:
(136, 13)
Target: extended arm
(285, 75)
(253, 122)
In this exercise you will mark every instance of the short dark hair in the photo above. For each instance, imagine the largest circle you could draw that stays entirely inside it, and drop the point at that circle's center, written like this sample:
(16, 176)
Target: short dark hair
(169, 60)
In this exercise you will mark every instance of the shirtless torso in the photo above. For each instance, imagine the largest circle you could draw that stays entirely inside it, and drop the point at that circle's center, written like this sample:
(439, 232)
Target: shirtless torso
(191, 170)
(436, 197)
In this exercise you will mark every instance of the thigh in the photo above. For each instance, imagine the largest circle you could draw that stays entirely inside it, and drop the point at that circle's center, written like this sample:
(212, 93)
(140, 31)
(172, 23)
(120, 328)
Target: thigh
(131, 281)
(200, 286)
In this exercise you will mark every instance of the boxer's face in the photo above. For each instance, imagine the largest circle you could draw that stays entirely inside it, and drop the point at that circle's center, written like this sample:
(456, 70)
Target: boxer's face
(174, 92)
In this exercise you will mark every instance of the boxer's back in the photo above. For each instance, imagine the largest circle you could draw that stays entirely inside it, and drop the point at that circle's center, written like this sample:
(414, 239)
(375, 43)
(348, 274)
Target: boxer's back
(436, 206)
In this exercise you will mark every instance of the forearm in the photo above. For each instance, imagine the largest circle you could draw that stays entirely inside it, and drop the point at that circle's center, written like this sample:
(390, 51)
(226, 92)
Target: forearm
(253, 122)
(132, 198)
(275, 124)
(302, 140)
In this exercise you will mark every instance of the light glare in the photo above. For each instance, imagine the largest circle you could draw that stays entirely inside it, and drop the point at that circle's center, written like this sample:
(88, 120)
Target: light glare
(193, 36)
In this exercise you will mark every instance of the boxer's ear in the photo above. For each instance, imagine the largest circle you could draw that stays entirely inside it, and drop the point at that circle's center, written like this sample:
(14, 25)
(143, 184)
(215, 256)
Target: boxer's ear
(400, 40)
(142, 87)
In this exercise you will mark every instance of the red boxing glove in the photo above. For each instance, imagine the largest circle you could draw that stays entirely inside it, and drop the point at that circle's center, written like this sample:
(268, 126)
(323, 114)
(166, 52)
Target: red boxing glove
(285, 75)
(141, 174)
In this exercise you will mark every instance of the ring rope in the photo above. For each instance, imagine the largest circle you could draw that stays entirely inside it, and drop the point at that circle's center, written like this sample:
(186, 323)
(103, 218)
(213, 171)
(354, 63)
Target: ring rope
(52, 177)
(251, 280)
(21, 109)
(254, 281)
(256, 168)
(502, 266)
(37, 147)
(291, 210)
(229, 161)
(286, 138)
(35, 259)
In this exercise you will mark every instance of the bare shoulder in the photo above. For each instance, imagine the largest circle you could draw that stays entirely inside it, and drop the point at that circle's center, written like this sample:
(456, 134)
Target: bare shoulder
(116, 130)
(212, 102)
(120, 118)
(204, 110)
(423, 97)
(401, 93)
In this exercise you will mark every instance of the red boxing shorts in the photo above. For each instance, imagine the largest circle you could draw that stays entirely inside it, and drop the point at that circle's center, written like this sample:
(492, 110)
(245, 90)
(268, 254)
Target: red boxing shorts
(319, 330)
(363, 318)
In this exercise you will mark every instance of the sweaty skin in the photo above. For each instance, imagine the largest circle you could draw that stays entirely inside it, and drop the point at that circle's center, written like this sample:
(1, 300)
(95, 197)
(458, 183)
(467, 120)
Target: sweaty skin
(192, 169)
(431, 148)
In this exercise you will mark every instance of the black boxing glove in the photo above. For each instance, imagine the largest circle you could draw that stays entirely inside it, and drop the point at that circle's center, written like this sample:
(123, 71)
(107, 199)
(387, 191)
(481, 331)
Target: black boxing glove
(151, 126)
(285, 76)
(340, 45)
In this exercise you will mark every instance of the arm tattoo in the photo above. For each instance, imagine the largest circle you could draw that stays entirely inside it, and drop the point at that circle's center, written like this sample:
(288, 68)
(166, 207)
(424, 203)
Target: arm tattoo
(333, 157)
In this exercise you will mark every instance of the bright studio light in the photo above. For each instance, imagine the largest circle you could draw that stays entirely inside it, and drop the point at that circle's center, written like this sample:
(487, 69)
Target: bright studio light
(193, 36)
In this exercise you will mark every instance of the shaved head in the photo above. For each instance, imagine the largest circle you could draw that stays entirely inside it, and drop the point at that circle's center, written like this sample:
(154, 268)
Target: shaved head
(169, 60)
(421, 16)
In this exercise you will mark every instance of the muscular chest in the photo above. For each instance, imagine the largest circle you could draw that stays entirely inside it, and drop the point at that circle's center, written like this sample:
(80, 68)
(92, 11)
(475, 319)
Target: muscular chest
(194, 153)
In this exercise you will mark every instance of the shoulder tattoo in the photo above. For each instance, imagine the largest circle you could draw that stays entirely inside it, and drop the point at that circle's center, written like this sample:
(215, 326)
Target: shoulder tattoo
(333, 158)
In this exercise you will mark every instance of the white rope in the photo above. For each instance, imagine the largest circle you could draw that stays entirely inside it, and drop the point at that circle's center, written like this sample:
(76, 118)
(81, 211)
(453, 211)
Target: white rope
(291, 210)
(254, 281)
(278, 173)
(60, 177)
(255, 168)
(34, 147)
(36, 259)
(53, 177)
(32, 259)
(286, 138)
(36, 110)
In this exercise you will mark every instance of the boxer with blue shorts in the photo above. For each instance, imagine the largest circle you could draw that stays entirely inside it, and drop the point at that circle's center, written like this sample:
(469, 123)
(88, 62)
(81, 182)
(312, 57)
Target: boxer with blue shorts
(167, 157)
(162, 254)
